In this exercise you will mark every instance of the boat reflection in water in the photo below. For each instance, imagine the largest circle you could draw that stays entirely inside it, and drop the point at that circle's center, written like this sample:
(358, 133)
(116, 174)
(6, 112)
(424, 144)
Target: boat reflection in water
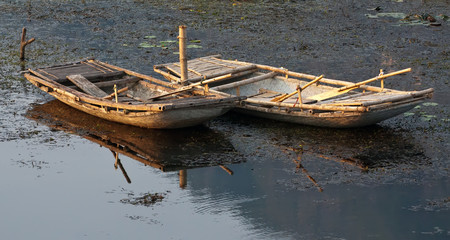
(167, 150)
(311, 151)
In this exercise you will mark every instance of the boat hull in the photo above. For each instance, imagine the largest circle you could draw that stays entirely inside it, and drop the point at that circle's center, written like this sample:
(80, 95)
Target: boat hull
(175, 110)
(331, 119)
(170, 119)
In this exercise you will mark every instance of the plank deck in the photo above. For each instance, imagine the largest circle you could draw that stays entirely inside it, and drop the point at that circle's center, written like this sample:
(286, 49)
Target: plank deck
(204, 66)
(89, 70)
(86, 85)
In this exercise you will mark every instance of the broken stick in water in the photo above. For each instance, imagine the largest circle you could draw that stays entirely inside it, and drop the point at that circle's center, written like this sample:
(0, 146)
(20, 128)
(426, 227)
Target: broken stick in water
(24, 43)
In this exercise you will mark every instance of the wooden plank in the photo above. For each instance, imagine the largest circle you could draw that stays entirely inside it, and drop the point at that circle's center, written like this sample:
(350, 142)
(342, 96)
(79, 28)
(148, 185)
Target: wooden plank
(211, 60)
(118, 82)
(78, 68)
(244, 82)
(86, 85)
(217, 74)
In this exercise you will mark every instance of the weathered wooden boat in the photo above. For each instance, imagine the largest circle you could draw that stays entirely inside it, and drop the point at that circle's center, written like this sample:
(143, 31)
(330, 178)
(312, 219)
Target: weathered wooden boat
(284, 95)
(127, 97)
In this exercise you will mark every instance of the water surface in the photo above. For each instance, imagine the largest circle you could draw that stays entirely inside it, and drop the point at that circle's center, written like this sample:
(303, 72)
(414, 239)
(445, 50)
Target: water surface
(236, 177)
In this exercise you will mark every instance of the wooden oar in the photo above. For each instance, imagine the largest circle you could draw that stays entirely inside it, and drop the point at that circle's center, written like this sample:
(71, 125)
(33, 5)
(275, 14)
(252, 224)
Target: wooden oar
(342, 90)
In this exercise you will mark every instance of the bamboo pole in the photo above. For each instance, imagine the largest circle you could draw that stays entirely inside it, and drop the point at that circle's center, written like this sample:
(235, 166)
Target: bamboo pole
(312, 82)
(189, 87)
(24, 43)
(114, 93)
(285, 96)
(374, 79)
(298, 90)
(342, 90)
(305, 75)
(307, 106)
(139, 75)
(183, 58)
(382, 80)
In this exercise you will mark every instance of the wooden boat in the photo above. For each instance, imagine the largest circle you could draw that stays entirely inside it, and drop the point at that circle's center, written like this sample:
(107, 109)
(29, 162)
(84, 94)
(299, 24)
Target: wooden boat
(127, 97)
(280, 94)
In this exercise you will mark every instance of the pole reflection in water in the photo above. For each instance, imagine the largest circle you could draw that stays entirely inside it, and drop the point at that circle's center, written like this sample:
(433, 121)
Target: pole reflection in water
(167, 150)
(119, 163)
(183, 178)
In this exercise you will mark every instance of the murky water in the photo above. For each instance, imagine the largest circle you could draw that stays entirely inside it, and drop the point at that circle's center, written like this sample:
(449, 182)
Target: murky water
(237, 177)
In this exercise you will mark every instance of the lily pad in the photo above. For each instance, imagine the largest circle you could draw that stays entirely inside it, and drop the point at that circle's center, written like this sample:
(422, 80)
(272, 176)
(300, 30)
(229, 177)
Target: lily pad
(149, 37)
(167, 41)
(146, 45)
(195, 41)
(430, 104)
(407, 114)
(427, 118)
(391, 14)
(193, 46)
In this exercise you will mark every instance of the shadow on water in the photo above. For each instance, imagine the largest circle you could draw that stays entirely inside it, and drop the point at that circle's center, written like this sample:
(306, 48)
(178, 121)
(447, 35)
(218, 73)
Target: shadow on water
(167, 150)
(370, 147)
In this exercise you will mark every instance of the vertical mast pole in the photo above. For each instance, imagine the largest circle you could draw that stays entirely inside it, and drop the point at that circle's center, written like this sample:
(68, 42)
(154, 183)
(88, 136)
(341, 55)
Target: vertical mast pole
(183, 58)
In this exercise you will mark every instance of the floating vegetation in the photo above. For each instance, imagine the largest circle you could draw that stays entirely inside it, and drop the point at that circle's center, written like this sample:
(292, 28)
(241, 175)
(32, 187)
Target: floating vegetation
(427, 118)
(147, 199)
(391, 14)
(411, 19)
(435, 205)
(146, 45)
(430, 104)
(168, 42)
(195, 41)
(193, 46)
(422, 112)
(152, 43)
